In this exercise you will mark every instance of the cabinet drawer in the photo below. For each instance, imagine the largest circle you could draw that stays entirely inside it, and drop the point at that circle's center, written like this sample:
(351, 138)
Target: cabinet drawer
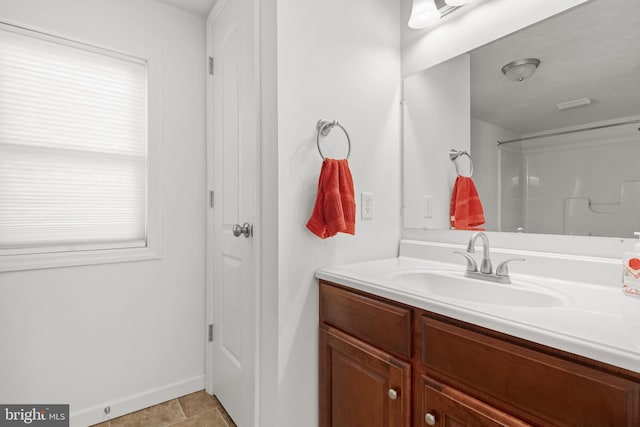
(446, 406)
(385, 325)
(544, 389)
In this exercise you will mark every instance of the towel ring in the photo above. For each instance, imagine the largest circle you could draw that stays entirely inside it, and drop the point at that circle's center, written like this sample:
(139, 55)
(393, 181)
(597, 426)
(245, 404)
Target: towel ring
(324, 127)
(455, 154)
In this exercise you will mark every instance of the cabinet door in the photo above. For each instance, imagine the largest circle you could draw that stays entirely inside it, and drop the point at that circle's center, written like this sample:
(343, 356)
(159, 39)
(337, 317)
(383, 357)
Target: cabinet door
(544, 389)
(445, 406)
(360, 385)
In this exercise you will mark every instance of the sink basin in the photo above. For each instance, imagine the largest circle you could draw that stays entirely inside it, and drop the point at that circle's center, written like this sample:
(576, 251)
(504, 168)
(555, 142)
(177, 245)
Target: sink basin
(453, 285)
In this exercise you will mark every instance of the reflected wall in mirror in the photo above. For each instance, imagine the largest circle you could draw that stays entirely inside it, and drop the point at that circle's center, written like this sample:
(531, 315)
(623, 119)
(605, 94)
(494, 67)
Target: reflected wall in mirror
(545, 178)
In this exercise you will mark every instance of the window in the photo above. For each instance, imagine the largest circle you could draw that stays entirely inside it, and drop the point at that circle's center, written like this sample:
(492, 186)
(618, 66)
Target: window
(73, 147)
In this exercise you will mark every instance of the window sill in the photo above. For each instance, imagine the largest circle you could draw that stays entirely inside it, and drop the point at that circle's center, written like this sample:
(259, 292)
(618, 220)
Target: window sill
(73, 259)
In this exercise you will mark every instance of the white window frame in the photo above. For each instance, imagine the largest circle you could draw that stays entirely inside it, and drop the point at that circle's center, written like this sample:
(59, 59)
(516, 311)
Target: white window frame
(101, 253)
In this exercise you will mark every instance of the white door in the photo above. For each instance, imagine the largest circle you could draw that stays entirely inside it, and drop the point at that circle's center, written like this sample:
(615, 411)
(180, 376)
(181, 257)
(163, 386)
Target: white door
(233, 172)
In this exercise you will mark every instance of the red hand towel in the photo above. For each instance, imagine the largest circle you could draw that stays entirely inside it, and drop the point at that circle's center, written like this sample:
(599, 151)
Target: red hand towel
(335, 208)
(466, 208)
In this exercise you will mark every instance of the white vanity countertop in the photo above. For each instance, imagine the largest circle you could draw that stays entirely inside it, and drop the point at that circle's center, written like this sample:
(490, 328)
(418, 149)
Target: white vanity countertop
(598, 322)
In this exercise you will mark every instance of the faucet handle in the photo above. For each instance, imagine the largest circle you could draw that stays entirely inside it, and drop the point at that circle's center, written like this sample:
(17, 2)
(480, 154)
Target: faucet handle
(471, 263)
(502, 269)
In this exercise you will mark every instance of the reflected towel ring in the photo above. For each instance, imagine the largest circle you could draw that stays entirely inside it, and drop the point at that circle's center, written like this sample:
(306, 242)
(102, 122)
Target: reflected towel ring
(324, 127)
(455, 154)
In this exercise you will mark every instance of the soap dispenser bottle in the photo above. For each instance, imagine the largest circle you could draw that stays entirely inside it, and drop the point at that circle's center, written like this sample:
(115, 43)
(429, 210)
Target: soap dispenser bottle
(631, 270)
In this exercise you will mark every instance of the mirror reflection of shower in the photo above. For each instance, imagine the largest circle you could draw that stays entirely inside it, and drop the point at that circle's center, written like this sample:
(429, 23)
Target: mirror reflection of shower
(557, 184)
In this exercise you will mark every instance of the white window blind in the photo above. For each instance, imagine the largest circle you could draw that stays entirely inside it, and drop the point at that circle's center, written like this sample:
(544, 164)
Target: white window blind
(73, 146)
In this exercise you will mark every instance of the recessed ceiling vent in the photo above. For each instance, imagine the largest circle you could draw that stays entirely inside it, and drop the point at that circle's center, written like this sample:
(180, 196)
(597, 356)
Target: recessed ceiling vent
(573, 104)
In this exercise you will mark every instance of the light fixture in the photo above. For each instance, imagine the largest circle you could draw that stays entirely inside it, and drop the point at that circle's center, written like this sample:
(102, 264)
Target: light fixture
(521, 69)
(423, 14)
(456, 3)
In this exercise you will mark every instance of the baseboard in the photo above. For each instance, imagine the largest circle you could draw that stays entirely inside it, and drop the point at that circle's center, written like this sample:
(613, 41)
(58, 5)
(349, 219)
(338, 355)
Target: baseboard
(126, 405)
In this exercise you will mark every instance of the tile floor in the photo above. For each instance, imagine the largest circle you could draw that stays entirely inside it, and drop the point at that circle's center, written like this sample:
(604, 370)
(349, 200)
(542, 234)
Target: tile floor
(193, 410)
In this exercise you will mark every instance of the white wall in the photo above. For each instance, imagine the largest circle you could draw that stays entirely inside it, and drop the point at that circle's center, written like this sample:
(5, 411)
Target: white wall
(437, 113)
(268, 206)
(336, 60)
(126, 334)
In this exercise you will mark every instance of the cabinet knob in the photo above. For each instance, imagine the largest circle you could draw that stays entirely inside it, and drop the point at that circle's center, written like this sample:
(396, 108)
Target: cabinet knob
(393, 395)
(430, 419)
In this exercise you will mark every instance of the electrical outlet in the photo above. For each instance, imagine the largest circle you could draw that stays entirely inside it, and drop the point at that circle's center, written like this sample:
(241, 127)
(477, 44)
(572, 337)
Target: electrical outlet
(428, 206)
(366, 209)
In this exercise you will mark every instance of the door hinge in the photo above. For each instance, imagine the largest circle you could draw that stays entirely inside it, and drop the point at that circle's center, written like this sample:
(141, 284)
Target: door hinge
(211, 65)
(211, 199)
(211, 332)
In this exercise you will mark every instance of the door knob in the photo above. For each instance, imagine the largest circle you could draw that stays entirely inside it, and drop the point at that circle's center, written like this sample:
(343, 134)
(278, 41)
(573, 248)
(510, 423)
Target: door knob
(245, 229)
(393, 395)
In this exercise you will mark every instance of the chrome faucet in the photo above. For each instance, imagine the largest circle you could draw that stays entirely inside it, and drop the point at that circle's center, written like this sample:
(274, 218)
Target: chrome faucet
(486, 266)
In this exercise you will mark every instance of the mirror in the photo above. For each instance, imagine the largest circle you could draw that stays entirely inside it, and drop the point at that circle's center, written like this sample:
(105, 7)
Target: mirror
(569, 155)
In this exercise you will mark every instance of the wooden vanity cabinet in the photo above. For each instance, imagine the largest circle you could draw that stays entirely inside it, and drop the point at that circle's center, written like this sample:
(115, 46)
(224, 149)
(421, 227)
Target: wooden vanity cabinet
(362, 386)
(365, 371)
(386, 364)
(544, 389)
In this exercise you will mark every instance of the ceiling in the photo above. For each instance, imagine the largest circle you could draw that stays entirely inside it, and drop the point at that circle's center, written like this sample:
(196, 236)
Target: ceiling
(591, 51)
(200, 7)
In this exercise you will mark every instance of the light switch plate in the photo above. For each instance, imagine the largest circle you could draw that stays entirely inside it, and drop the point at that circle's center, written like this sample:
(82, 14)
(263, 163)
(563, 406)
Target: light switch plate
(428, 206)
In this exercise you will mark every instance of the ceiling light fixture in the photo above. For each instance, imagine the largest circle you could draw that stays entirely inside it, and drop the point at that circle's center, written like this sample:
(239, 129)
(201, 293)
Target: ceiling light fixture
(423, 14)
(521, 69)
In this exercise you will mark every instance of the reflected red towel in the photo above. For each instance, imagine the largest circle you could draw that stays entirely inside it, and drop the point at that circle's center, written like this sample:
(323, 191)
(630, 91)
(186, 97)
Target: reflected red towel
(335, 208)
(466, 208)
